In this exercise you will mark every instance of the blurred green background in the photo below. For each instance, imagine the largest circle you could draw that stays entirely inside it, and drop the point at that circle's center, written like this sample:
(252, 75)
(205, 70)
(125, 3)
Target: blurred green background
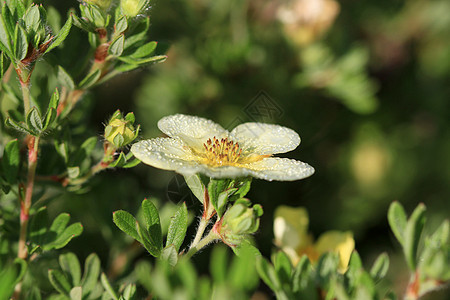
(366, 84)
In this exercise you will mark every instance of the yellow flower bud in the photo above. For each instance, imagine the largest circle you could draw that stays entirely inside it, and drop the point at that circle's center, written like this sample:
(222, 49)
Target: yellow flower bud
(120, 131)
(103, 4)
(131, 8)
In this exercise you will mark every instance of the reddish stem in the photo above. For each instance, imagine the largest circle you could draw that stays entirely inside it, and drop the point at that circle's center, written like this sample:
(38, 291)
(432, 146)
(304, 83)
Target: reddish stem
(25, 203)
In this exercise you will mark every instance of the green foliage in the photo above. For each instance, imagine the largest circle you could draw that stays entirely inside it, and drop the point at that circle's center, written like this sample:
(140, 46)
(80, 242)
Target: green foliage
(307, 281)
(44, 237)
(56, 89)
(177, 228)
(233, 279)
(149, 236)
(429, 263)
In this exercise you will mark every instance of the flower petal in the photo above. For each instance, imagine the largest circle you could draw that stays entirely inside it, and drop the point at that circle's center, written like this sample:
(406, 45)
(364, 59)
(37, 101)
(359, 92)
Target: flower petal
(339, 242)
(282, 169)
(265, 139)
(290, 227)
(192, 130)
(163, 153)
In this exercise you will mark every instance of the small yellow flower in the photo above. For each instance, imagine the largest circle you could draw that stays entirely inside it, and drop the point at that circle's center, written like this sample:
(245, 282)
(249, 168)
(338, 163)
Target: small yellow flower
(291, 235)
(197, 145)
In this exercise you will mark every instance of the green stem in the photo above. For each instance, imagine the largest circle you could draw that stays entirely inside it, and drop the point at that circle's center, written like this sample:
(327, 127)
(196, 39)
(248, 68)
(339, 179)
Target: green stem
(212, 236)
(200, 230)
(26, 97)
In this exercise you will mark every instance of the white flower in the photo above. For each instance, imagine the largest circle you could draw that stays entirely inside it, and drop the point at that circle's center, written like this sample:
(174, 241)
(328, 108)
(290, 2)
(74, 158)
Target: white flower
(197, 145)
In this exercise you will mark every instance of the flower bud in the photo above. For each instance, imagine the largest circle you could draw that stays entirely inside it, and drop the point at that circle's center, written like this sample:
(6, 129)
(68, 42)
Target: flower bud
(131, 8)
(103, 4)
(238, 221)
(120, 131)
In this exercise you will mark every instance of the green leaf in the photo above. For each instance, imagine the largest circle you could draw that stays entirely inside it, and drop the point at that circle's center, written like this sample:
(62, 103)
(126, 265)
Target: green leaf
(127, 223)
(18, 126)
(20, 43)
(54, 100)
(303, 280)
(129, 291)
(177, 227)
(65, 237)
(283, 266)
(131, 163)
(170, 255)
(242, 272)
(120, 161)
(38, 226)
(59, 281)
(76, 293)
(354, 270)
(380, 267)
(8, 277)
(32, 18)
(121, 25)
(268, 274)
(365, 289)
(107, 286)
(62, 34)
(50, 118)
(65, 79)
(91, 273)
(143, 61)
(153, 223)
(145, 50)
(196, 185)
(60, 223)
(412, 235)
(222, 200)
(90, 79)
(188, 276)
(218, 264)
(84, 25)
(5, 33)
(440, 237)
(142, 269)
(34, 121)
(326, 268)
(215, 188)
(70, 265)
(397, 220)
(116, 46)
(10, 161)
(147, 242)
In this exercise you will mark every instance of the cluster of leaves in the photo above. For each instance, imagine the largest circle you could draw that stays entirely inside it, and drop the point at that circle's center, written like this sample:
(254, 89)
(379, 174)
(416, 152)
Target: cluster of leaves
(429, 263)
(323, 280)
(235, 279)
(150, 236)
(45, 150)
(307, 281)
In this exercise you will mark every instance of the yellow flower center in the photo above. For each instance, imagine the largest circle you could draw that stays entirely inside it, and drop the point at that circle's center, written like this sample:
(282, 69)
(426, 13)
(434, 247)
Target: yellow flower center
(221, 152)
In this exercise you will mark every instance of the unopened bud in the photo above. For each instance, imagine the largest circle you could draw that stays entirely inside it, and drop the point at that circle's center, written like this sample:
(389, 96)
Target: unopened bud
(103, 4)
(120, 130)
(238, 222)
(131, 8)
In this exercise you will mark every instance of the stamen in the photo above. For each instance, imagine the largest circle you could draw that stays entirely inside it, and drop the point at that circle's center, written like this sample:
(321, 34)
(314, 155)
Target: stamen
(221, 152)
